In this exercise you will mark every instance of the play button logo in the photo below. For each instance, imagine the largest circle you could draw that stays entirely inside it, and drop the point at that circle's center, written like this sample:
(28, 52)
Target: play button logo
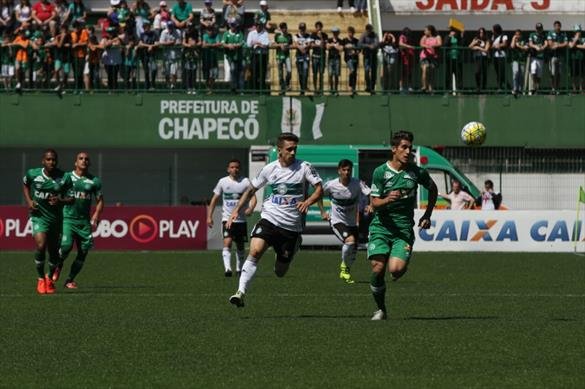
(143, 228)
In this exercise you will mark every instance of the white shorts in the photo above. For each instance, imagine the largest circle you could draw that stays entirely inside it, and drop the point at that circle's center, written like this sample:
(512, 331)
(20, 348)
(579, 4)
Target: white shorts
(7, 70)
(536, 65)
(86, 68)
(555, 66)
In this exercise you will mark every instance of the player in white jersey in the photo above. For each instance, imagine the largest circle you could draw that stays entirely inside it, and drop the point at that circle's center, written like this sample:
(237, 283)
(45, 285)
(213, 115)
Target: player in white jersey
(345, 193)
(283, 211)
(231, 188)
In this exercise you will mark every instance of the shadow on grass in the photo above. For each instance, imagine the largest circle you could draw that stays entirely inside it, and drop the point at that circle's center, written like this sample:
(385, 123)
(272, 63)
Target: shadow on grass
(306, 317)
(441, 318)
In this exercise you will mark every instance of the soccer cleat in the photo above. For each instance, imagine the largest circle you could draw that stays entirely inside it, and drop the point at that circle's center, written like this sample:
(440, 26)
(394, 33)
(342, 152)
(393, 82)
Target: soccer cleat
(41, 289)
(379, 315)
(49, 285)
(228, 273)
(345, 275)
(57, 273)
(237, 299)
(71, 285)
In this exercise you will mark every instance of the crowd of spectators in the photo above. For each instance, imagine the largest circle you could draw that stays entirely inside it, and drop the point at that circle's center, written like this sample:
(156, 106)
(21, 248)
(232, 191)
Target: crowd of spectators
(51, 45)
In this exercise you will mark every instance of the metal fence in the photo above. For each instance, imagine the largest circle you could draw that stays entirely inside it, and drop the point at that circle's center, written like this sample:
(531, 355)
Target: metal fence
(277, 71)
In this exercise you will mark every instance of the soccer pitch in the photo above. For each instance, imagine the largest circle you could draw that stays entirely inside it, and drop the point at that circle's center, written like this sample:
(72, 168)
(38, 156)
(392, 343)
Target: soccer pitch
(163, 320)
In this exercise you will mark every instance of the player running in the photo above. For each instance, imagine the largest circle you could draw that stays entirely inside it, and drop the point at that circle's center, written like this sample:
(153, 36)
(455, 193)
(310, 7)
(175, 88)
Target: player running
(78, 220)
(43, 188)
(231, 188)
(283, 211)
(394, 196)
(345, 193)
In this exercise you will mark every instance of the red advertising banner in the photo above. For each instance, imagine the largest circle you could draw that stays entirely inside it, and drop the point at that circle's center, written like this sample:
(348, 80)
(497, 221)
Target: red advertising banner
(121, 228)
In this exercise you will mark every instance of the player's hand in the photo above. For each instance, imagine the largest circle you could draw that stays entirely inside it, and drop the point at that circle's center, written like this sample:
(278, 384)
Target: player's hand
(94, 222)
(393, 196)
(325, 216)
(209, 222)
(369, 210)
(53, 200)
(232, 218)
(33, 206)
(303, 206)
(248, 211)
(424, 222)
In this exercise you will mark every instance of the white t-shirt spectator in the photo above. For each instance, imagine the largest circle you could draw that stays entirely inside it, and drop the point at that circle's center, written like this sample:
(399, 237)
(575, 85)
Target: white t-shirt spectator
(460, 200)
(500, 40)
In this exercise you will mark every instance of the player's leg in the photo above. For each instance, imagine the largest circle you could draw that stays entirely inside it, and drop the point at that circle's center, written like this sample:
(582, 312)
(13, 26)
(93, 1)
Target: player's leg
(226, 252)
(53, 243)
(67, 240)
(240, 236)
(399, 257)
(40, 238)
(84, 239)
(378, 254)
(258, 246)
(348, 255)
(286, 246)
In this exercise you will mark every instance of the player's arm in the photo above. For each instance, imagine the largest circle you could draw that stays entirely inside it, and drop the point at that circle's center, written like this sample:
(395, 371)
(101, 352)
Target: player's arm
(324, 214)
(425, 220)
(99, 208)
(303, 206)
(251, 205)
(31, 204)
(211, 208)
(251, 191)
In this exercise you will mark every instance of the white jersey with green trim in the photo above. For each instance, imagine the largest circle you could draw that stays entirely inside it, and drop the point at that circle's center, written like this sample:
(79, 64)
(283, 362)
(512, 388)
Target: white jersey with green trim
(230, 191)
(286, 187)
(345, 200)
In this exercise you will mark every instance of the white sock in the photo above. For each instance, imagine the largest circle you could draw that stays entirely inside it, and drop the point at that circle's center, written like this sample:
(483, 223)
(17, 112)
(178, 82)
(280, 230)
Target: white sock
(227, 258)
(248, 271)
(348, 254)
(240, 258)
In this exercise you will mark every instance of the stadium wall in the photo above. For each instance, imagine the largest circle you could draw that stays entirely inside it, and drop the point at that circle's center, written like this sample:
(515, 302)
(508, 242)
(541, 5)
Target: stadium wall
(176, 121)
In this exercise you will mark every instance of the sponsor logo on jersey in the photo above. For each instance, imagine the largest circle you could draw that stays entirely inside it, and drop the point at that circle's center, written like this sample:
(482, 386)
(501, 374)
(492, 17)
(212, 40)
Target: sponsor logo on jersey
(281, 189)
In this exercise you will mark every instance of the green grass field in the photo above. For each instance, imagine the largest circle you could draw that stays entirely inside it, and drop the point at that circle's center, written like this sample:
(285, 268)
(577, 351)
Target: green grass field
(163, 320)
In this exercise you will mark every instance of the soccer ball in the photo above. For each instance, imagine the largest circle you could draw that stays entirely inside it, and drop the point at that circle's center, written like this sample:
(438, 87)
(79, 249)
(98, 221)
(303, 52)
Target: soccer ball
(473, 134)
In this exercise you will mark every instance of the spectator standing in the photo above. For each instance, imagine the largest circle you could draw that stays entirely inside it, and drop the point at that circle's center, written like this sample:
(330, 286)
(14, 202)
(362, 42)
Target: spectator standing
(429, 57)
(169, 39)
(481, 47)
(234, 11)
(112, 56)
(518, 55)
(489, 199)
(182, 14)
(191, 44)
(557, 43)
(79, 41)
(141, 11)
(44, 13)
(369, 43)
(453, 61)
(457, 198)
(233, 45)
(207, 16)
(302, 41)
(263, 15)
(147, 53)
(23, 14)
(62, 53)
(318, 56)
(91, 73)
(352, 57)
(21, 63)
(283, 41)
(7, 17)
(130, 62)
(499, 45)
(350, 3)
(577, 58)
(406, 46)
(390, 54)
(210, 43)
(335, 45)
(6, 60)
(538, 44)
(362, 7)
(259, 42)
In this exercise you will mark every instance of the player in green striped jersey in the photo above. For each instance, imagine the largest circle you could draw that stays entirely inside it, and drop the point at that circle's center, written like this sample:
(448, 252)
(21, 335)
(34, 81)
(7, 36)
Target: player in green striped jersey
(394, 198)
(43, 189)
(78, 220)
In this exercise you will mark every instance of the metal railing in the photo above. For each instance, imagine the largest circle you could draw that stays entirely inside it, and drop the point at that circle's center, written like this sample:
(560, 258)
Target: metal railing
(278, 71)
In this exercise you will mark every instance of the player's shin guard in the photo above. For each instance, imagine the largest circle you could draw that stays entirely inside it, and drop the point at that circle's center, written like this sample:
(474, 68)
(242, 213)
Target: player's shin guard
(77, 265)
(227, 258)
(348, 254)
(240, 259)
(40, 263)
(248, 271)
(378, 287)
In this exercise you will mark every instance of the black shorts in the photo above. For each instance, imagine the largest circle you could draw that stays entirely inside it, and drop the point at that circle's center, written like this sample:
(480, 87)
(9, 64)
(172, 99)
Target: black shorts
(342, 231)
(285, 242)
(238, 232)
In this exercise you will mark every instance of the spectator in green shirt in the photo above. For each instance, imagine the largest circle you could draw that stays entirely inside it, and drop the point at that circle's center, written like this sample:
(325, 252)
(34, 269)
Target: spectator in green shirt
(557, 43)
(453, 62)
(537, 43)
(233, 41)
(210, 43)
(283, 41)
(577, 58)
(518, 53)
(182, 14)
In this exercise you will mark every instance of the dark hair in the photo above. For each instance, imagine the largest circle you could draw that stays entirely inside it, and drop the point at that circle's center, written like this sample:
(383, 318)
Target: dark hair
(489, 184)
(397, 137)
(286, 136)
(518, 30)
(557, 22)
(432, 29)
(318, 23)
(497, 29)
(344, 163)
(50, 151)
(234, 160)
(351, 29)
(282, 25)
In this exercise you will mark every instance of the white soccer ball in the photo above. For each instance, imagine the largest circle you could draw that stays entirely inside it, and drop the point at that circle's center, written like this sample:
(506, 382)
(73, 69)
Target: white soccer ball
(473, 134)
